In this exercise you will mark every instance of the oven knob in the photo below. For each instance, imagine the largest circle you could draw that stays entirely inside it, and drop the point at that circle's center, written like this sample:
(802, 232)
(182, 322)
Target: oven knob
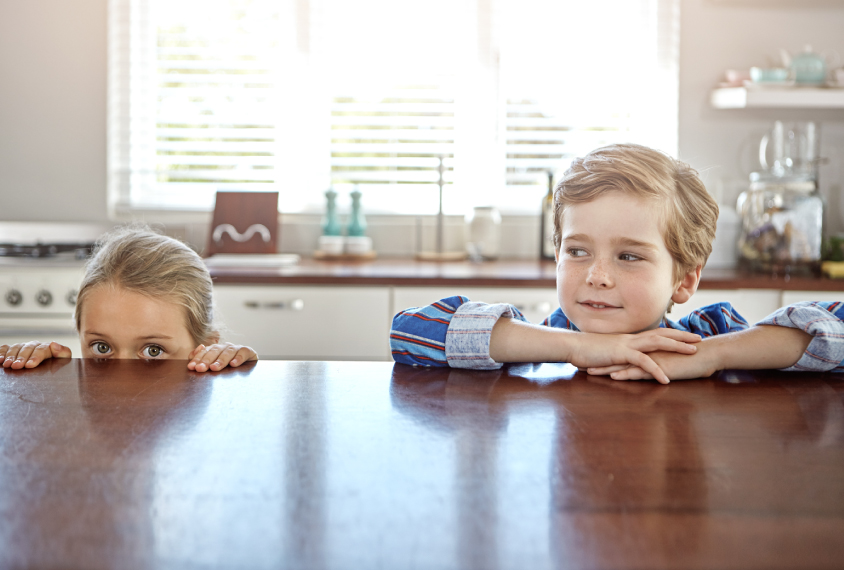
(44, 298)
(14, 297)
(71, 297)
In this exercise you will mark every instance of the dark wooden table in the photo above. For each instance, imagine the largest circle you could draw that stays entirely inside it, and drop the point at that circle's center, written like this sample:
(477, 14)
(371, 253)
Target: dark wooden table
(365, 465)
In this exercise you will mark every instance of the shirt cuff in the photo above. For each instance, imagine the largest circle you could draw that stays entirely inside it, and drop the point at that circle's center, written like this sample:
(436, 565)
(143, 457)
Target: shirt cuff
(467, 339)
(826, 351)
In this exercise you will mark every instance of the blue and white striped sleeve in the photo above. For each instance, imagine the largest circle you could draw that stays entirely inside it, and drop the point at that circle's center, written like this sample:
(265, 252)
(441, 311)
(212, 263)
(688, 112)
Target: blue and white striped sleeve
(825, 322)
(451, 332)
(418, 335)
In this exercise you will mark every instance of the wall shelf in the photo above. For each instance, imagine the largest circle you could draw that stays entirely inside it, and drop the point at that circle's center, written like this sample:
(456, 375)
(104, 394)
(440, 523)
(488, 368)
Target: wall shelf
(771, 98)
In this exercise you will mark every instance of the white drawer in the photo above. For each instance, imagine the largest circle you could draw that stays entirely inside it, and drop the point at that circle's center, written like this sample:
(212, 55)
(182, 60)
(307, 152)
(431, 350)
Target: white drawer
(307, 323)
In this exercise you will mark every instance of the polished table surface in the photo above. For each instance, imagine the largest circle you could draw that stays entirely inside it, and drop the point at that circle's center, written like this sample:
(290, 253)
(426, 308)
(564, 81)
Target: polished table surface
(357, 465)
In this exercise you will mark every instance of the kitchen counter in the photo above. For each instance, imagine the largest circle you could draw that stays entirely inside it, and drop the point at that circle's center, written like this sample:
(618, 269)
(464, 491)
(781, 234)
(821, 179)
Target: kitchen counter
(506, 273)
(133, 464)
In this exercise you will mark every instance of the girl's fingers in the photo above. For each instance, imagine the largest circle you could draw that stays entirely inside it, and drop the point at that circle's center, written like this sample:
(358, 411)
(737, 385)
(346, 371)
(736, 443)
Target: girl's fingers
(59, 350)
(24, 355)
(244, 354)
(196, 357)
(224, 357)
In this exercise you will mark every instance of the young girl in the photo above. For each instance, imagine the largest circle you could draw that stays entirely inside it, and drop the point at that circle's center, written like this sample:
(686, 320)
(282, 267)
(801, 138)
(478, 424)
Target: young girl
(144, 295)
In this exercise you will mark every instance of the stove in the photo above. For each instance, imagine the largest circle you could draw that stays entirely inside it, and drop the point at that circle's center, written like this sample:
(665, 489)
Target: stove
(41, 266)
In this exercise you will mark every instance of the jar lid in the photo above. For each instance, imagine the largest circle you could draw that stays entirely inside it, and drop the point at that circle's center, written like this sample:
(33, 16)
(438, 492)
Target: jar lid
(794, 183)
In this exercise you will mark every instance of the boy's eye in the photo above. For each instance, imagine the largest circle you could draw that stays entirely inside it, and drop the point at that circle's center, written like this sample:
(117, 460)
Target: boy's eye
(101, 348)
(153, 351)
(576, 252)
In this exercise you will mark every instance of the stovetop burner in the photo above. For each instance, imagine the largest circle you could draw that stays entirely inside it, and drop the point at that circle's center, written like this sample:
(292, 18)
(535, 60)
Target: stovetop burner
(40, 250)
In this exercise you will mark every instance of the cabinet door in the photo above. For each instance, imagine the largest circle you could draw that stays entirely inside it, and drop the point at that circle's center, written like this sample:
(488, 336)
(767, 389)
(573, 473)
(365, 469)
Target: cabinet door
(789, 297)
(307, 323)
(752, 304)
(535, 304)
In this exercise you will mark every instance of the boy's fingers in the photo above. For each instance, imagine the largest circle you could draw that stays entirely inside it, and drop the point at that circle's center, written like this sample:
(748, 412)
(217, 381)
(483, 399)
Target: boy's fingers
(632, 373)
(676, 346)
(647, 364)
(683, 336)
(604, 370)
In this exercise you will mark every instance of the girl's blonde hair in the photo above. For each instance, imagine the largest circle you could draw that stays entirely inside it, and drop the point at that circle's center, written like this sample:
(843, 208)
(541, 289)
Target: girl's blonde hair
(689, 213)
(137, 259)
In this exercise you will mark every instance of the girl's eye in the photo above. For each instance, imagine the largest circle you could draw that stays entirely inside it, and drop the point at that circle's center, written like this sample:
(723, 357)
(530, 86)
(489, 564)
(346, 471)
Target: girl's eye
(101, 348)
(153, 351)
(576, 252)
(629, 257)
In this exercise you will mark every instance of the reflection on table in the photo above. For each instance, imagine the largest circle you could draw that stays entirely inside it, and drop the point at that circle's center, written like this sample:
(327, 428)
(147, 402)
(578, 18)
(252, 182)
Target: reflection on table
(357, 465)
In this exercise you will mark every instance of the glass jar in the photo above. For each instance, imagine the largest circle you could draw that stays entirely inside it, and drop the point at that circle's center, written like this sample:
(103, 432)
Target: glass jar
(782, 225)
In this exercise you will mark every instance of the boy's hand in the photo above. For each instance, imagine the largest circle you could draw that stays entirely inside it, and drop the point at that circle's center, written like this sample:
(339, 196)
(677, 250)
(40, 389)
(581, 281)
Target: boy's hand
(218, 356)
(616, 353)
(31, 354)
(675, 366)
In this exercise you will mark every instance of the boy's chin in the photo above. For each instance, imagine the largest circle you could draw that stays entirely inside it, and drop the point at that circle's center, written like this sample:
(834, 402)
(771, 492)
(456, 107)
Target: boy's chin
(606, 327)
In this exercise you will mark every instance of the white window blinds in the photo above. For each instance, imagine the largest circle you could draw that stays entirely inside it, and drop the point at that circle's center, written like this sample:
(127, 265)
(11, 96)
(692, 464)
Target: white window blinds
(296, 95)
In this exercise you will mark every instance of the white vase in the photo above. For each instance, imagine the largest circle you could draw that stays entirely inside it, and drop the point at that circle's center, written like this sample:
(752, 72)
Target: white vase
(483, 233)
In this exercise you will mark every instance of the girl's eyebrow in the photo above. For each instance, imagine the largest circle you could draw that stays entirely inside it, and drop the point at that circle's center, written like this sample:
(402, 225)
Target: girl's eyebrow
(154, 337)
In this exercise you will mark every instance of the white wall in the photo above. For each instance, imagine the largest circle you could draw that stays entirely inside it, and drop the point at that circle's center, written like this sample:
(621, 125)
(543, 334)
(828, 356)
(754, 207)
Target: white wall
(53, 99)
(53, 110)
(718, 35)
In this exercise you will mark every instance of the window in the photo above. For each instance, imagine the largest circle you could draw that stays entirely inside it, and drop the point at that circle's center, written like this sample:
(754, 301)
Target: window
(295, 96)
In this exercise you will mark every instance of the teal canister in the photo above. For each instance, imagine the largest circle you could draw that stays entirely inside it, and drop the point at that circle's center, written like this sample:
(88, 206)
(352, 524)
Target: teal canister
(331, 221)
(809, 67)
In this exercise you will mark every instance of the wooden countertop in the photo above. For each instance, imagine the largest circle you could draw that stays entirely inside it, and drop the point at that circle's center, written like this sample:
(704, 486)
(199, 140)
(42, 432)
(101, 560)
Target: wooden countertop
(507, 273)
(133, 464)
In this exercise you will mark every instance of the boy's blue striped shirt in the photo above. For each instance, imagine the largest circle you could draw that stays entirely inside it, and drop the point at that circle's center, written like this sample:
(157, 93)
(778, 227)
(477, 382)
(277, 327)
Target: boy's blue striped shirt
(455, 331)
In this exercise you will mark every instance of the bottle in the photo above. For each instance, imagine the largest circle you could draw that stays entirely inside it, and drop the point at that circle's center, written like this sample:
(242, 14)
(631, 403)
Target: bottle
(546, 222)
(357, 222)
(331, 223)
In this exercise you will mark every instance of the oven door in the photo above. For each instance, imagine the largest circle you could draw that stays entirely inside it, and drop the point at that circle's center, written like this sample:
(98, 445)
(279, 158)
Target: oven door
(43, 328)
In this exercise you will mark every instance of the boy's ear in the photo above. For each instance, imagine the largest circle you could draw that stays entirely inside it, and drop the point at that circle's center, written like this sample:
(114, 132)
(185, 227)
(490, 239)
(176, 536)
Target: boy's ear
(687, 286)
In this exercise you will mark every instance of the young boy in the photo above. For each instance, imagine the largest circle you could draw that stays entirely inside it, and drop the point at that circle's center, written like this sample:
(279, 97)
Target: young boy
(633, 228)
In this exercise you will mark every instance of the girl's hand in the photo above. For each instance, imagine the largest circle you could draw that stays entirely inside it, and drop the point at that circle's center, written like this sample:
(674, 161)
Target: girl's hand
(31, 354)
(218, 356)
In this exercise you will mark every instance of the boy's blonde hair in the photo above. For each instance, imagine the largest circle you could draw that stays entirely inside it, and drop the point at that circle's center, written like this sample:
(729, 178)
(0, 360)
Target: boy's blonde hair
(138, 259)
(689, 213)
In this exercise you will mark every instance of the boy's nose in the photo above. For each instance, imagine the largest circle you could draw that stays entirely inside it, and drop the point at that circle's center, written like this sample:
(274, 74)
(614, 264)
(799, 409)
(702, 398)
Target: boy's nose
(599, 275)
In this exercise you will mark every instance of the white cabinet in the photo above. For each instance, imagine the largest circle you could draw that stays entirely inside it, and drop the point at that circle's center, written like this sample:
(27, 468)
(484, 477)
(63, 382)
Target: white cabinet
(752, 304)
(789, 297)
(307, 322)
(534, 303)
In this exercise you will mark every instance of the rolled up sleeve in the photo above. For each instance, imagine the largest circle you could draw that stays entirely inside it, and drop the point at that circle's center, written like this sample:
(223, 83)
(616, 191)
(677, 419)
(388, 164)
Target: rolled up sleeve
(469, 333)
(825, 352)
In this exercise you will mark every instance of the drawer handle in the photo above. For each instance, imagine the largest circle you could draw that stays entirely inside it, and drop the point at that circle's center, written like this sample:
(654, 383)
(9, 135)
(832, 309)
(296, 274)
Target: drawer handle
(294, 305)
